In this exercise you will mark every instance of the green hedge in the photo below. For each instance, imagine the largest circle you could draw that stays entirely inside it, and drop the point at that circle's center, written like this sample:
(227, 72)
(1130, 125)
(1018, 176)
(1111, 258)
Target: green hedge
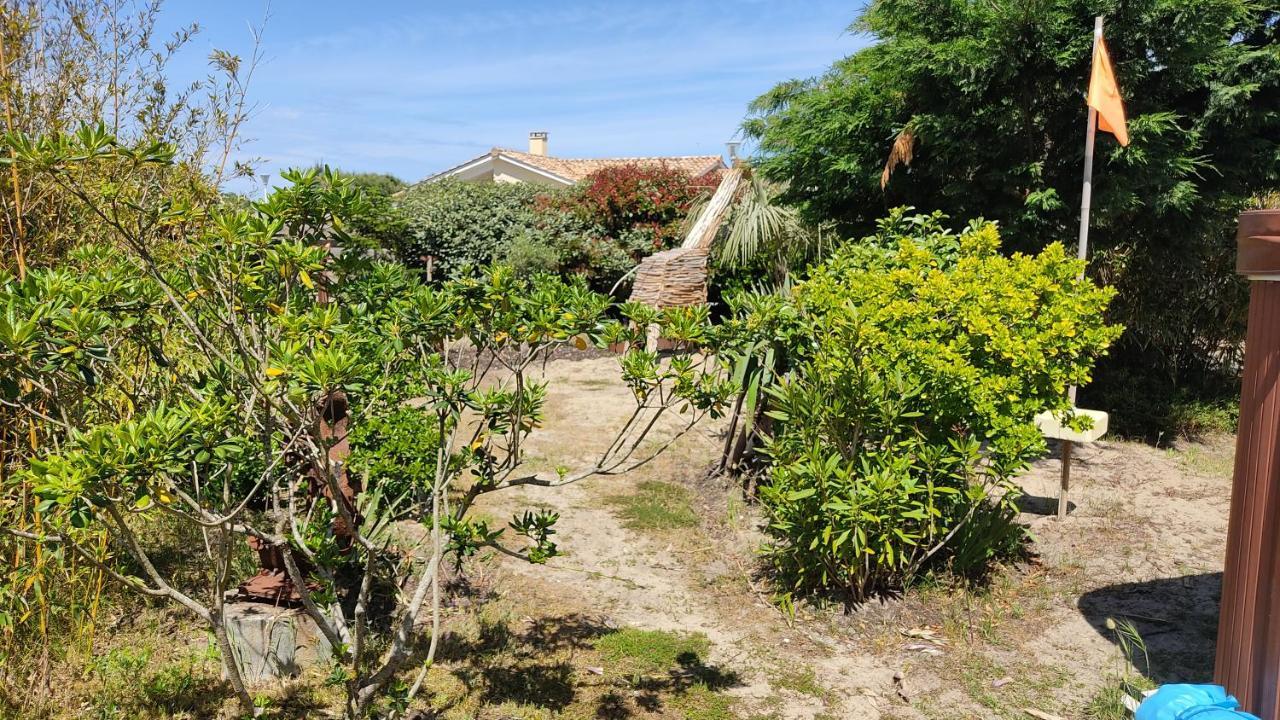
(463, 223)
(599, 229)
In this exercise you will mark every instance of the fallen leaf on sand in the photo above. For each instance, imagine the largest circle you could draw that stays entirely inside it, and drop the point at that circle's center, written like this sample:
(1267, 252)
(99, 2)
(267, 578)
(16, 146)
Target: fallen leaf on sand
(923, 634)
(925, 648)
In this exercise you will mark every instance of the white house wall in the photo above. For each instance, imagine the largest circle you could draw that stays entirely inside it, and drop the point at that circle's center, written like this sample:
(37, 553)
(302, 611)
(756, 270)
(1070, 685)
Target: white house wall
(504, 171)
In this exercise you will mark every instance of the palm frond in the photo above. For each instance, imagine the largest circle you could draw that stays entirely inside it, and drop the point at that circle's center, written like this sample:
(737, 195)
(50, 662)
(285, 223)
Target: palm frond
(759, 221)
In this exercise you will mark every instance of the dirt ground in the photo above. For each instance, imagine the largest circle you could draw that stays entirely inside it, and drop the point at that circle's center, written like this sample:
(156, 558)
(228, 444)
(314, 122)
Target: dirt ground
(1144, 541)
(657, 608)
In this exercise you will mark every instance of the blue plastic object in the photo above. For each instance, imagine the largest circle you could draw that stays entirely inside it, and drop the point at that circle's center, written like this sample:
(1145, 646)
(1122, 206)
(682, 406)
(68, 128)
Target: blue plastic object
(1192, 702)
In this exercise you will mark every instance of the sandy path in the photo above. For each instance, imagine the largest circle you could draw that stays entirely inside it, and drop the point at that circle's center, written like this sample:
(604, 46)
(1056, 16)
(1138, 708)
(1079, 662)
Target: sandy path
(1144, 540)
(652, 582)
(1148, 534)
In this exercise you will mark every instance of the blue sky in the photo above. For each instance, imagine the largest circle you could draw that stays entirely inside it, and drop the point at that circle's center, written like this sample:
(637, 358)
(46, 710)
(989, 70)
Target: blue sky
(414, 87)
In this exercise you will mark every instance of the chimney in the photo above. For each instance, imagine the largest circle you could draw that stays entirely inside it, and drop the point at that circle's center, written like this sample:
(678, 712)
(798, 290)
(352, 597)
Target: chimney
(538, 143)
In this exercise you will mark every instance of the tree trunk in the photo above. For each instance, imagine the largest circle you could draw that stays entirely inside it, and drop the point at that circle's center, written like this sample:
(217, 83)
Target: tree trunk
(230, 666)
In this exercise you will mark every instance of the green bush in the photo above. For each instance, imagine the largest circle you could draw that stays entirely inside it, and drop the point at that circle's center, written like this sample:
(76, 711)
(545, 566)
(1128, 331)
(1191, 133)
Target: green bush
(598, 229)
(395, 453)
(573, 243)
(465, 224)
(530, 255)
(917, 361)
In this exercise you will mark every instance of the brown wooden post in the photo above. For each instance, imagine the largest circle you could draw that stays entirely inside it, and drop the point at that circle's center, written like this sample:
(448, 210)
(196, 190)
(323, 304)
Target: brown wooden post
(1065, 481)
(1248, 652)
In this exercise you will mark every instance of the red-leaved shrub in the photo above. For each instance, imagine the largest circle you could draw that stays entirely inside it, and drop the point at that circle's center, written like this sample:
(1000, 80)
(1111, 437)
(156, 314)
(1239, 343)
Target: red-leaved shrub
(653, 195)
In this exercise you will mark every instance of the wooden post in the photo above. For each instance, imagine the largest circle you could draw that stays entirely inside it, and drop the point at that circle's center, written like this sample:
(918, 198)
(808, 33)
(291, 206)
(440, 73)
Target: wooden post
(1066, 479)
(1248, 652)
(1052, 426)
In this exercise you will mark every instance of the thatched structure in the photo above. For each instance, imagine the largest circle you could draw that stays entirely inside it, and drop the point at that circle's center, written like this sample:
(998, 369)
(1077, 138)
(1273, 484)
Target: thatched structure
(678, 277)
(672, 278)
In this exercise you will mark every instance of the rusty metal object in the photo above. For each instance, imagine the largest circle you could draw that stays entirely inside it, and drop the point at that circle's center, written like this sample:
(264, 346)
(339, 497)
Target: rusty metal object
(1248, 652)
(333, 418)
(272, 583)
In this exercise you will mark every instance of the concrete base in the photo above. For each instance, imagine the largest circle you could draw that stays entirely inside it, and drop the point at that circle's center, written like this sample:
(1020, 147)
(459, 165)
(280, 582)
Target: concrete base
(273, 642)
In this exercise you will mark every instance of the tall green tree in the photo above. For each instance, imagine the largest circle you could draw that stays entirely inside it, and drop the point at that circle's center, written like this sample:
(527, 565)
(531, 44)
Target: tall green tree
(375, 183)
(977, 109)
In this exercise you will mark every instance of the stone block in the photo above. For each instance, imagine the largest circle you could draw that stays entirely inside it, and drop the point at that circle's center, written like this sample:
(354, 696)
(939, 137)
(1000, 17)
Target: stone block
(273, 642)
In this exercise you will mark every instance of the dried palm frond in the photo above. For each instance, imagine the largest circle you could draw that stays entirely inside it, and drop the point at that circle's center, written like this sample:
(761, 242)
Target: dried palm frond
(901, 153)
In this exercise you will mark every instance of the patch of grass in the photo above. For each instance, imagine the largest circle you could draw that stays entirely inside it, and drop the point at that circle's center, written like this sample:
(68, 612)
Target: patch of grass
(929, 707)
(656, 505)
(143, 681)
(1029, 685)
(517, 711)
(508, 661)
(1108, 702)
(802, 681)
(699, 702)
(1197, 418)
(647, 652)
(1206, 460)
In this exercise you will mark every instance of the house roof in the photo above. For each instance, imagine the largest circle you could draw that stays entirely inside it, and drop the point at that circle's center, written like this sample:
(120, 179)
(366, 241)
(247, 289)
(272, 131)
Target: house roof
(571, 170)
(575, 169)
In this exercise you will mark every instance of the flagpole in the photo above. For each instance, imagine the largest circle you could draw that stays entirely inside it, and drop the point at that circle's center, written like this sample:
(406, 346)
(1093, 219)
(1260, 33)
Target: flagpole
(1082, 252)
(1086, 196)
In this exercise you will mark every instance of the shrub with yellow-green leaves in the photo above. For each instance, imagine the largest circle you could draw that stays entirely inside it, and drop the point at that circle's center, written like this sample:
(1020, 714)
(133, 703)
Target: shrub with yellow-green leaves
(908, 408)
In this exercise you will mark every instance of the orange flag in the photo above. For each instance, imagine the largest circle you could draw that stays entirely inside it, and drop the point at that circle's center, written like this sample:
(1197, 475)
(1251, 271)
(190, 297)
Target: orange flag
(1104, 95)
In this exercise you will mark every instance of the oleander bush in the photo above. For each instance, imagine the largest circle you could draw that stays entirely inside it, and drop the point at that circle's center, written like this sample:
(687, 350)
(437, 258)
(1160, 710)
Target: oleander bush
(902, 409)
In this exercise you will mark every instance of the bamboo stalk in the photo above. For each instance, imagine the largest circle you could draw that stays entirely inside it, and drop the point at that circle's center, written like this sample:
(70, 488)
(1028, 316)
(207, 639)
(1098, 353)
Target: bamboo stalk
(19, 252)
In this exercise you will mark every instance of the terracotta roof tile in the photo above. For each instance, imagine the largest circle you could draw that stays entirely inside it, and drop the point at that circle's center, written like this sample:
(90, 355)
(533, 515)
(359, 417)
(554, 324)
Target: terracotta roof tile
(575, 169)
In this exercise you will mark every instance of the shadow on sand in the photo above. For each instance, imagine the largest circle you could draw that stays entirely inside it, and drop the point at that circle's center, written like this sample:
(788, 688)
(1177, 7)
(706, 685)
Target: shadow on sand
(1176, 617)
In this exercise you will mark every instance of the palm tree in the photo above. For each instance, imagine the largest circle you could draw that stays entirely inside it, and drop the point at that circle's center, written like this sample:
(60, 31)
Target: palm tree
(759, 227)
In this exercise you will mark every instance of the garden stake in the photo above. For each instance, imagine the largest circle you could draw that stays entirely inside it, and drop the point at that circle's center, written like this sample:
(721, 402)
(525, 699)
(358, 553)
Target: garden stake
(1066, 476)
